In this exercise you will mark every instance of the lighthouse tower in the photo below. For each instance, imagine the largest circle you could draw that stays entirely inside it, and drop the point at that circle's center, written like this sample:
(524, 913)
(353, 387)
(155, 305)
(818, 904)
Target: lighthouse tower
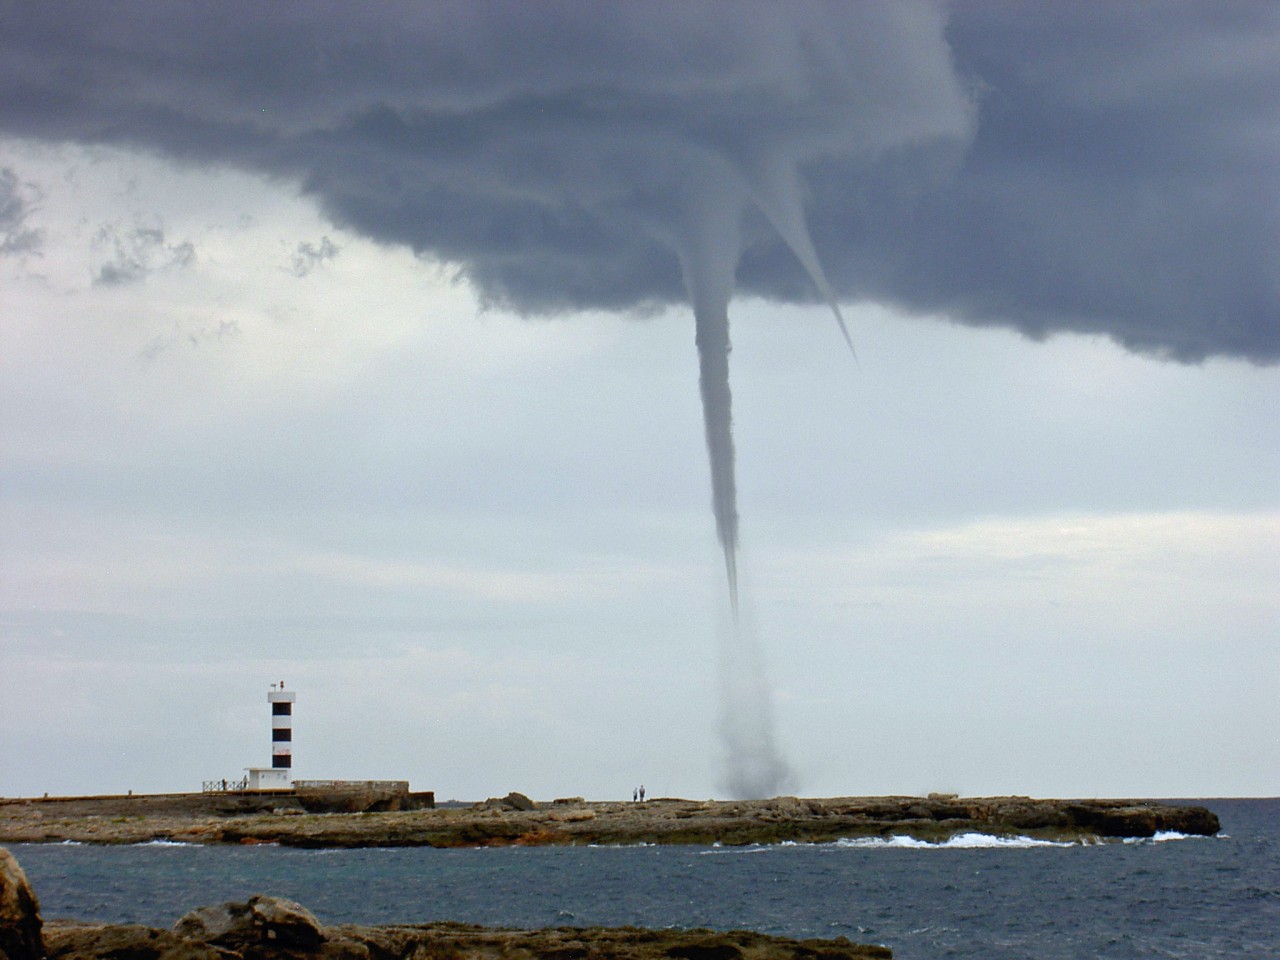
(279, 776)
(281, 701)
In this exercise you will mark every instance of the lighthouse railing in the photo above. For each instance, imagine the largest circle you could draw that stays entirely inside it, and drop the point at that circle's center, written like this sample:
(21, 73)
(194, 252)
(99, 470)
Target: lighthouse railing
(224, 786)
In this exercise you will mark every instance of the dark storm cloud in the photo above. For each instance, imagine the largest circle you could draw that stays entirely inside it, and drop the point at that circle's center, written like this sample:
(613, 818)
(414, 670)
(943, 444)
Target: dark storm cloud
(1124, 180)
(1105, 168)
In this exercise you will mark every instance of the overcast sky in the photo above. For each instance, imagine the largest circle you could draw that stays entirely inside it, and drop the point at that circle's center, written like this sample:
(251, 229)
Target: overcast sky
(355, 350)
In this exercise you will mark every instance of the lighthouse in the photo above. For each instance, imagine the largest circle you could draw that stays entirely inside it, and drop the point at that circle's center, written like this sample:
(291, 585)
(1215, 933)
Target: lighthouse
(281, 701)
(279, 776)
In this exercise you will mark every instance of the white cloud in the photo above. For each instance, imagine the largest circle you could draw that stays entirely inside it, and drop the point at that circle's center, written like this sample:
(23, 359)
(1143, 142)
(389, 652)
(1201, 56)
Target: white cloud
(1128, 570)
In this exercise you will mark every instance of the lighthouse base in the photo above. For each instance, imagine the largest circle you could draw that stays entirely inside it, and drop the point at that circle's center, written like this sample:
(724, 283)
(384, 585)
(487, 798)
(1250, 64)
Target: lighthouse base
(269, 778)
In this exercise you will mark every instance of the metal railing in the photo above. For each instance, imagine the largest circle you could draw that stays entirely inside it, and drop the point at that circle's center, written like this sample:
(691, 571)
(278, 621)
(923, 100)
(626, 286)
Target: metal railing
(224, 786)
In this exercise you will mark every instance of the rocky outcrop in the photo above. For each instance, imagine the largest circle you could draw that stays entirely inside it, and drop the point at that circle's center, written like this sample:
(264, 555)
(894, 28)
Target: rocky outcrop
(512, 801)
(515, 819)
(360, 796)
(69, 940)
(340, 797)
(449, 941)
(260, 920)
(464, 942)
(20, 923)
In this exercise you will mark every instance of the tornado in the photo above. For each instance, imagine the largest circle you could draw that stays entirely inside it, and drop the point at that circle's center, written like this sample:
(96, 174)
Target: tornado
(712, 338)
(709, 246)
(753, 767)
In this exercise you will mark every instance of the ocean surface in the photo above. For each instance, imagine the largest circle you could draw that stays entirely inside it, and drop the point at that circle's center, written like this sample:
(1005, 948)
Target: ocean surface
(1172, 897)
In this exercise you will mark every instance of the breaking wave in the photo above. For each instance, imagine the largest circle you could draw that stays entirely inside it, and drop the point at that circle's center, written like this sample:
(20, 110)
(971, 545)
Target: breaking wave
(1162, 836)
(961, 841)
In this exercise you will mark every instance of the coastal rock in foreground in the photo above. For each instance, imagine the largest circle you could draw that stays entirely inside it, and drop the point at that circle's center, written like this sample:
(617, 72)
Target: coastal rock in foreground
(236, 926)
(272, 928)
(20, 923)
(71, 940)
(448, 941)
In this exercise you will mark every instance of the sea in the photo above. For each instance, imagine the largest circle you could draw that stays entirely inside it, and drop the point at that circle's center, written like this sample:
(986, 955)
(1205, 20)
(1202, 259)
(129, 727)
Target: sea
(1172, 896)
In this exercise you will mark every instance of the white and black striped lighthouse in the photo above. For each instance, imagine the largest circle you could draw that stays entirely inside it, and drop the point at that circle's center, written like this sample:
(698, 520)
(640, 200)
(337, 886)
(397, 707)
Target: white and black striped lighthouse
(281, 701)
(278, 776)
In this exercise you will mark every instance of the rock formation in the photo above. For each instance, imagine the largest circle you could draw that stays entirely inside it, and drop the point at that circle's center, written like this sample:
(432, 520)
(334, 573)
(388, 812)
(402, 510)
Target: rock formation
(512, 801)
(261, 920)
(447, 941)
(515, 819)
(20, 923)
(69, 940)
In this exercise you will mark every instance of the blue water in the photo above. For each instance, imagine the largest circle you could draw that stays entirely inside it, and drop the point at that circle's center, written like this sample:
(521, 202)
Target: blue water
(1193, 898)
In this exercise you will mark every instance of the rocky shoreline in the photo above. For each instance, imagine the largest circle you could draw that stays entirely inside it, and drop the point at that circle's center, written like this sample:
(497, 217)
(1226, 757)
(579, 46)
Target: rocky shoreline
(516, 820)
(271, 928)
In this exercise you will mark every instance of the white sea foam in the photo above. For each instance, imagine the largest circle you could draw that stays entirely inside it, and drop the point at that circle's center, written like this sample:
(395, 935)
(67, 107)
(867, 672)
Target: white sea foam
(961, 841)
(165, 843)
(604, 846)
(718, 849)
(1162, 836)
